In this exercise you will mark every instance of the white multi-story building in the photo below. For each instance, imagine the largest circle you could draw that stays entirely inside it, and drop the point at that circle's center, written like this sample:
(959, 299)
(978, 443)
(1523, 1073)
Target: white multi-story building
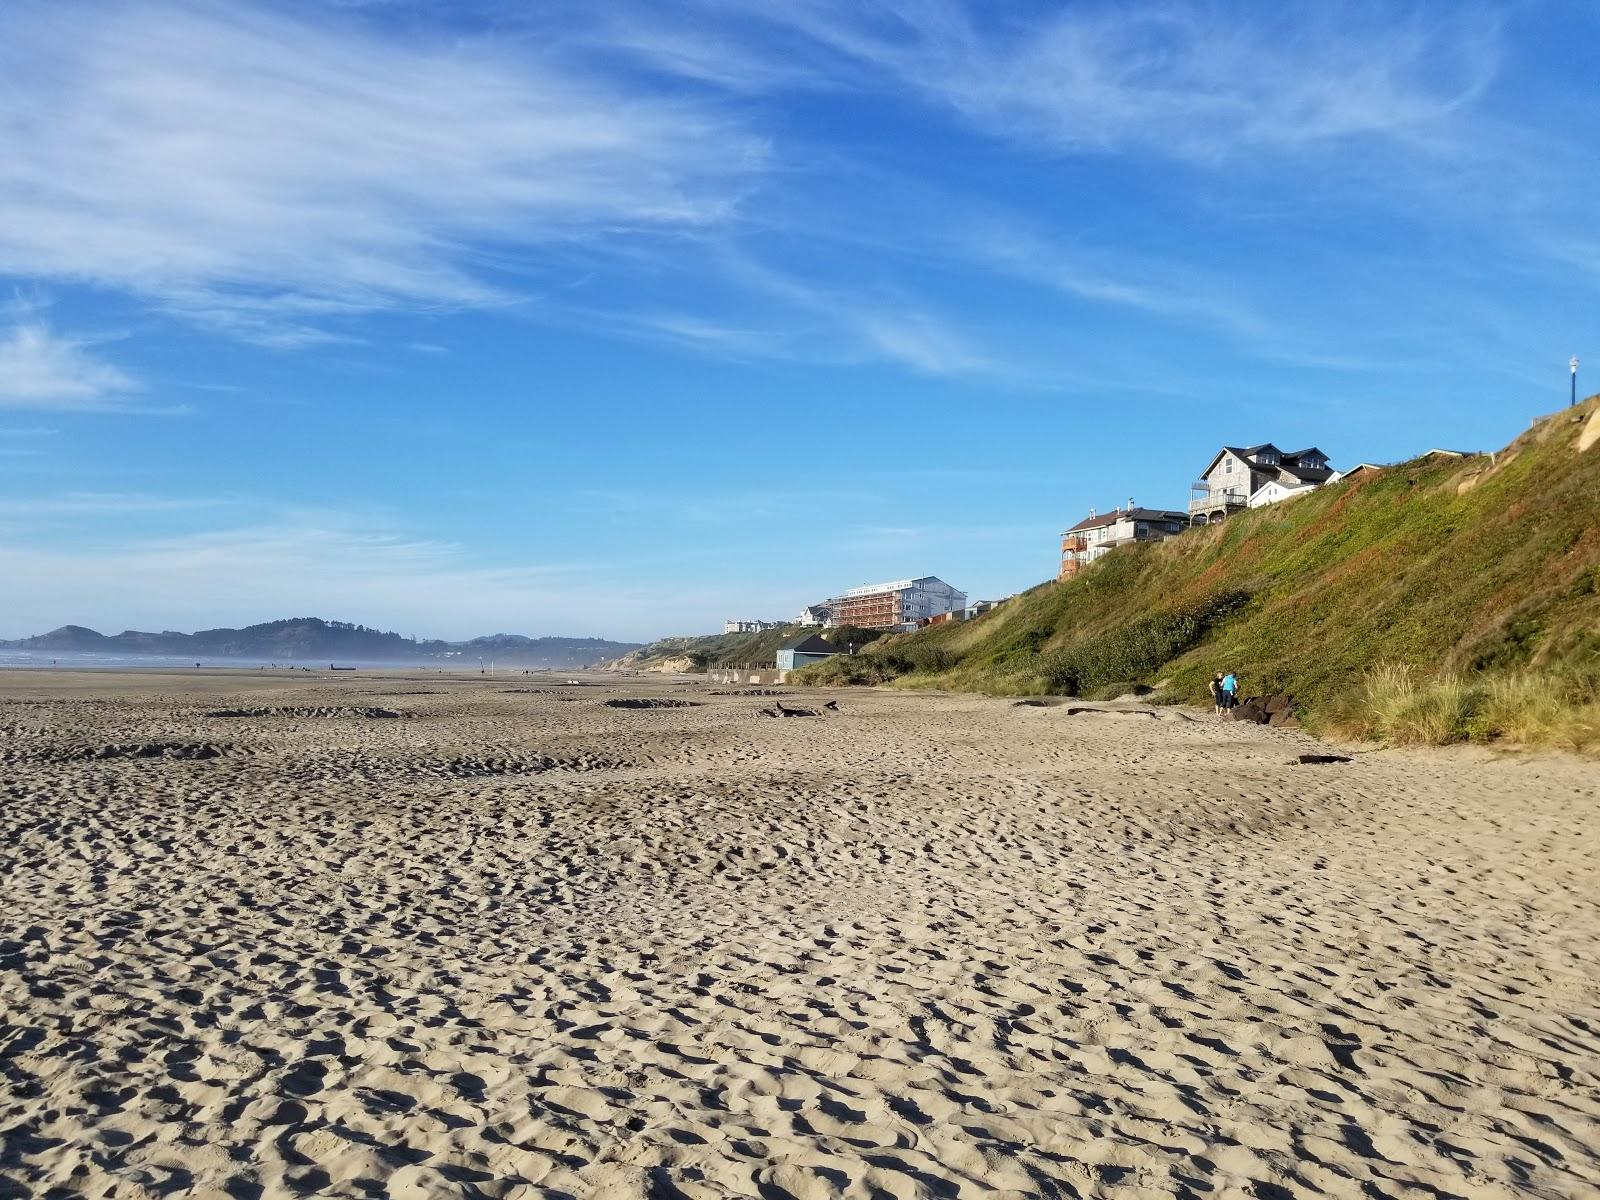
(898, 604)
(749, 626)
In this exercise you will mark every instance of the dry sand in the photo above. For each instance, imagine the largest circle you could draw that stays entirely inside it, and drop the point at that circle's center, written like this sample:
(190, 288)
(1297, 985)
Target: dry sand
(523, 943)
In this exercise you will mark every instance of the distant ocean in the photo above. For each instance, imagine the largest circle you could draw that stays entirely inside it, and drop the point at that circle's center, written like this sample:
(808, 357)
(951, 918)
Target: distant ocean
(62, 660)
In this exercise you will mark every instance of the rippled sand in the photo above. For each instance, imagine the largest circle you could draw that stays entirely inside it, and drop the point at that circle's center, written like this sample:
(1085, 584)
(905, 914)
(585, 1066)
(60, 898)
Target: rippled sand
(511, 940)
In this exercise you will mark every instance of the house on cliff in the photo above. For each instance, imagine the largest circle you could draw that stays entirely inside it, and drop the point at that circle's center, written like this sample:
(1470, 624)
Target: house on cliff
(1098, 534)
(1241, 477)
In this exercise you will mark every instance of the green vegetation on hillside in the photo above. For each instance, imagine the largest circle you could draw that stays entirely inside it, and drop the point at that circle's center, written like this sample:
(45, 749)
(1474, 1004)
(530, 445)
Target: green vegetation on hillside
(749, 650)
(712, 650)
(1484, 569)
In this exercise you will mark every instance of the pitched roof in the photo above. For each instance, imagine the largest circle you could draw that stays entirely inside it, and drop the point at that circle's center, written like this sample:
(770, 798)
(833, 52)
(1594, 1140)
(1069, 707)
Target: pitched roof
(1130, 514)
(1307, 474)
(1286, 458)
(1245, 452)
(1288, 485)
(809, 643)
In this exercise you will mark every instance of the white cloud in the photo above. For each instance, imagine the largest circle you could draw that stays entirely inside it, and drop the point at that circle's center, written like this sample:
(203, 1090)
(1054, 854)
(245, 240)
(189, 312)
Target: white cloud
(41, 369)
(276, 178)
(1193, 81)
(330, 565)
(1118, 279)
(923, 342)
(737, 342)
(786, 317)
(1373, 101)
(1202, 87)
(71, 504)
(875, 322)
(270, 175)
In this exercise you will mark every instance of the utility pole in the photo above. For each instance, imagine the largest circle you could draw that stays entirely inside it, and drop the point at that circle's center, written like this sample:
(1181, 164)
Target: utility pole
(1573, 367)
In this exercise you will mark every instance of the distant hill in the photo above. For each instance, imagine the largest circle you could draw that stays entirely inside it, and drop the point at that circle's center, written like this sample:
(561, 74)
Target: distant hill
(1435, 600)
(311, 639)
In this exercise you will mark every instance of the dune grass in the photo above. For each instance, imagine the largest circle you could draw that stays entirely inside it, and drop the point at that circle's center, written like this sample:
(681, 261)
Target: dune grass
(1555, 708)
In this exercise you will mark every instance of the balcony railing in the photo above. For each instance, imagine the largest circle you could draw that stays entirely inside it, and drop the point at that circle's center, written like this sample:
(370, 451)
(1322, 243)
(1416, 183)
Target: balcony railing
(1230, 497)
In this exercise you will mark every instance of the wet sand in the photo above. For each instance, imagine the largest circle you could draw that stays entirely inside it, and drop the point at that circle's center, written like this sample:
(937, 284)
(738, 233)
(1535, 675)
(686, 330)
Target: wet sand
(419, 935)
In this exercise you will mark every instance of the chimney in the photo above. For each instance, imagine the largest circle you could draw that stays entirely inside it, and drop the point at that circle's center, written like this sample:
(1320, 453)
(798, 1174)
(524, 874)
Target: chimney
(1130, 503)
(1092, 514)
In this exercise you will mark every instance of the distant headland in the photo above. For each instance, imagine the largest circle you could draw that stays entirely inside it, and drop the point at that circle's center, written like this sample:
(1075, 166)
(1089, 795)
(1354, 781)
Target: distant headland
(314, 639)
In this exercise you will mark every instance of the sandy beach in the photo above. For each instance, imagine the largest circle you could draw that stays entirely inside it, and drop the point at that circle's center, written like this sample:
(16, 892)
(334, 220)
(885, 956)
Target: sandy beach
(418, 935)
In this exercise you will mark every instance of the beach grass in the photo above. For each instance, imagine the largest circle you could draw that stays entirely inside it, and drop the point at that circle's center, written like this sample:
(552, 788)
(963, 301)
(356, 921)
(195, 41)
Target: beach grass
(1554, 708)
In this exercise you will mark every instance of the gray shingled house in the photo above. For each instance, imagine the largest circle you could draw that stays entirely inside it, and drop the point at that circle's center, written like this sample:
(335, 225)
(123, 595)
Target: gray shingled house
(1238, 472)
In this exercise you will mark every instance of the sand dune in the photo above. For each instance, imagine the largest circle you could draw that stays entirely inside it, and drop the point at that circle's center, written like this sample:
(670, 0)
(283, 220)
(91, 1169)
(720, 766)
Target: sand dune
(505, 944)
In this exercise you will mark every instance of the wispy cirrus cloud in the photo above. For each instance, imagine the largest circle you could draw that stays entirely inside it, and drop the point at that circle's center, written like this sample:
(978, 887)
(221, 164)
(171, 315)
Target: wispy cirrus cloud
(1117, 279)
(877, 322)
(76, 504)
(785, 316)
(1376, 101)
(710, 334)
(922, 341)
(343, 166)
(270, 175)
(1187, 80)
(42, 369)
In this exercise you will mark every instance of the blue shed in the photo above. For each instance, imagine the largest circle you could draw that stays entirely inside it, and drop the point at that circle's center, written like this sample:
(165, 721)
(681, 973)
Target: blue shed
(799, 652)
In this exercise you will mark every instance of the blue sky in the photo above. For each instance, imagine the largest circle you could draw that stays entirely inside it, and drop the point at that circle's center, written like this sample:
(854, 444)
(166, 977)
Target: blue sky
(623, 319)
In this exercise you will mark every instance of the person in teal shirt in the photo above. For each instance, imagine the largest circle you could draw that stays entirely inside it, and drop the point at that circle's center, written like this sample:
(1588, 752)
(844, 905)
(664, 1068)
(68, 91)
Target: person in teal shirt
(1230, 690)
